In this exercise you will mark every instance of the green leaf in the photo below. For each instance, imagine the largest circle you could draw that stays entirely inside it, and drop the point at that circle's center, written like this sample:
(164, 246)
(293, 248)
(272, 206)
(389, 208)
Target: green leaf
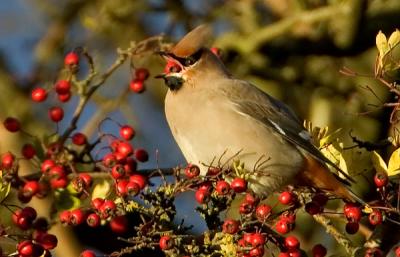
(66, 201)
(378, 163)
(4, 190)
(394, 163)
(101, 190)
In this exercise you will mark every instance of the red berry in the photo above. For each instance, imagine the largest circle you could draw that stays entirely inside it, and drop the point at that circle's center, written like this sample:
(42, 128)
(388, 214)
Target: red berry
(213, 171)
(319, 250)
(222, 187)
(352, 227)
(63, 87)
(29, 212)
(65, 217)
(353, 214)
(257, 252)
(137, 86)
(39, 94)
(251, 199)
(286, 198)
(375, 217)
(239, 185)
(87, 253)
(313, 208)
(291, 242)
(118, 171)
(397, 251)
(141, 155)
(64, 97)
(119, 224)
(284, 254)
(246, 208)
(31, 187)
(77, 217)
(59, 183)
(142, 73)
(107, 209)
(202, 196)
(130, 165)
(28, 151)
(127, 132)
(47, 241)
(230, 226)
(257, 239)
(25, 248)
(139, 179)
(56, 113)
(93, 220)
(166, 242)
(7, 160)
(282, 226)
(57, 171)
(12, 124)
(132, 188)
(71, 59)
(97, 203)
(124, 148)
(47, 165)
(381, 179)
(263, 211)
(248, 237)
(295, 253)
(86, 178)
(121, 187)
(24, 218)
(206, 186)
(192, 171)
(288, 217)
(79, 139)
(109, 160)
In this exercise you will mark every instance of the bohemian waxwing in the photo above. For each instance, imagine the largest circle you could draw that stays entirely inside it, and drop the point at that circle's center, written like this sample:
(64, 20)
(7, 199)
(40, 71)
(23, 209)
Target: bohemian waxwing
(217, 119)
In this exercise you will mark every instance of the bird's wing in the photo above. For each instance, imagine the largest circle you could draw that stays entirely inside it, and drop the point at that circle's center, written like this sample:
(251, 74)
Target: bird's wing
(257, 104)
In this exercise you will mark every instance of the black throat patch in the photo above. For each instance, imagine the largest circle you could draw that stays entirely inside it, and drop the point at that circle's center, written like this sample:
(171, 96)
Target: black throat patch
(173, 83)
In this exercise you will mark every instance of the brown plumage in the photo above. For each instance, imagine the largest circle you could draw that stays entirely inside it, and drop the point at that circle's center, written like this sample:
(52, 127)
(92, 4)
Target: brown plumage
(193, 41)
(212, 116)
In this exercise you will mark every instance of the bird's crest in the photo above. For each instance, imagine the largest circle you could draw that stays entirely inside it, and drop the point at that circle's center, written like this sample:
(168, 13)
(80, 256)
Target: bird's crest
(193, 41)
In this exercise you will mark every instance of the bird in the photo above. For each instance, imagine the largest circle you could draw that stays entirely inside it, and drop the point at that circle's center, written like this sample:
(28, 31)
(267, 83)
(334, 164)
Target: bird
(216, 117)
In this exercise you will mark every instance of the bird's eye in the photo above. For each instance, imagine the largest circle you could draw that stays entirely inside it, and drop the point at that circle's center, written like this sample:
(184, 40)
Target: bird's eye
(189, 61)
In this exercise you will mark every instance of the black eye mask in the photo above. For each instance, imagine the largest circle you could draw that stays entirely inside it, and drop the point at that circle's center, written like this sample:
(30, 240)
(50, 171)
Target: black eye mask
(190, 60)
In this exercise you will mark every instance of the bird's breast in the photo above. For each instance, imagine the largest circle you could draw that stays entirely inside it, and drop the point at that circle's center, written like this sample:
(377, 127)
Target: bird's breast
(210, 130)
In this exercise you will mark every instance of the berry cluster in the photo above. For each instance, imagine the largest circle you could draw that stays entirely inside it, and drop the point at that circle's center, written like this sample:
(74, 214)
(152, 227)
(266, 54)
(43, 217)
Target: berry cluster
(137, 83)
(61, 162)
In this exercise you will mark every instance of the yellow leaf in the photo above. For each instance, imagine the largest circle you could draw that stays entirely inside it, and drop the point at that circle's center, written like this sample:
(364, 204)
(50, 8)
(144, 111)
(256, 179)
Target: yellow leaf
(394, 39)
(382, 44)
(367, 209)
(343, 166)
(101, 190)
(394, 163)
(378, 163)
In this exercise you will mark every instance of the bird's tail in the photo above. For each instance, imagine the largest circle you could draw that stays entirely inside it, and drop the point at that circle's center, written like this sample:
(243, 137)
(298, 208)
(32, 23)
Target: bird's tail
(318, 175)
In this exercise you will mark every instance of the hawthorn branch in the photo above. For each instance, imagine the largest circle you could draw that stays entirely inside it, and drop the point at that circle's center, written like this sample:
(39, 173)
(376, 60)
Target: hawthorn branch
(339, 237)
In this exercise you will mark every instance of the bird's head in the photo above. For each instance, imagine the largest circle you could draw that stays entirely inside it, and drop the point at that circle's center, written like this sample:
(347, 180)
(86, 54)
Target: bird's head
(190, 59)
